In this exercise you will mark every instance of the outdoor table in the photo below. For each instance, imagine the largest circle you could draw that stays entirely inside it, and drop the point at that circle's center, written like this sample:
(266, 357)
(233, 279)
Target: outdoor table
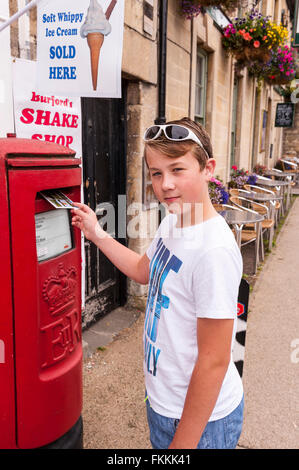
(264, 197)
(240, 218)
(279, 174)
(273, 183)
(293, 175)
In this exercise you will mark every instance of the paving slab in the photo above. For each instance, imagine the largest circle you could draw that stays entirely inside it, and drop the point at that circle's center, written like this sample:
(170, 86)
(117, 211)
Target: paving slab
(104, 331)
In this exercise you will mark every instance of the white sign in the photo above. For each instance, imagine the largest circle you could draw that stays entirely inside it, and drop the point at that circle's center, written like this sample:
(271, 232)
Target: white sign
(6, 107)
(44, 117)
(53, 235)
(79, 47)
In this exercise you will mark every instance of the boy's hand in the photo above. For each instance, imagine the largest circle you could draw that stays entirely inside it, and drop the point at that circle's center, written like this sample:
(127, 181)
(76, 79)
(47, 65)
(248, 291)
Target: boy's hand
(86, 220)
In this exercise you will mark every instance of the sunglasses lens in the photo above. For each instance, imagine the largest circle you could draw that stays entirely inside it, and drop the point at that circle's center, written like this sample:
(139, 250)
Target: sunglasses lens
(176, 132)
(151, 132)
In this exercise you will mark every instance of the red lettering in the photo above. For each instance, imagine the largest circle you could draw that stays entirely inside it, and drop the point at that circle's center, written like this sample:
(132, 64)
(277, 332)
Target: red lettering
(69, 140)
(43, 117)
(35, 97)
(60, 140)
(74, 122)
(65, 118)
(75, 329)
(37, 137)
(50, 138)
(54, 342)
(61, 338)
(27, 116)
(56, 120)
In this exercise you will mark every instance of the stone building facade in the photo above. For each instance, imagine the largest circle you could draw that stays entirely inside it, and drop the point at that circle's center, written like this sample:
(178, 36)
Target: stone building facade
(201, 83)
(291, 137)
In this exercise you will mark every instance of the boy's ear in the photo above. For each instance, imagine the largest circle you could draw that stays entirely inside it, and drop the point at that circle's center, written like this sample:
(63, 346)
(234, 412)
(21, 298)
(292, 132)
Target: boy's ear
(210, 167)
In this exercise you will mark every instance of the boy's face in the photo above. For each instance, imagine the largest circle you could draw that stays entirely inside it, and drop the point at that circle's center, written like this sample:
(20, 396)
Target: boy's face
(179, 182)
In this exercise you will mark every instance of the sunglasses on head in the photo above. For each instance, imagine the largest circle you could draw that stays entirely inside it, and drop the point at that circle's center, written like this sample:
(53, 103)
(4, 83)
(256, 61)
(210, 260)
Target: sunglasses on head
(173, 132)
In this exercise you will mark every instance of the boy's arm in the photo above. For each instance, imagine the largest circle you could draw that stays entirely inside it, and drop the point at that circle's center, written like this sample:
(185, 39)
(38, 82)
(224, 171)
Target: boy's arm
(214, 349)
(132, 264)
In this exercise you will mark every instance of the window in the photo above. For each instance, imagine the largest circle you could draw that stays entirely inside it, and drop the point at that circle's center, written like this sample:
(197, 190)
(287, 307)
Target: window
(200, 84)
(234, 123)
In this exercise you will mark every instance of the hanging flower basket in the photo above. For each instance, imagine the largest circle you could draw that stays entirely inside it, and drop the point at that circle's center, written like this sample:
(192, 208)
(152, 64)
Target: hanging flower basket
(191, 8)
(282, 68)
(251, 39)
(279, 70)
(248, 54)
(276, 80)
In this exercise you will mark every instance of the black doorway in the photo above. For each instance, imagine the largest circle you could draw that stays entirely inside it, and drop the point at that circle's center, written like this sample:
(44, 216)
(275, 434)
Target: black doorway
(104, 174)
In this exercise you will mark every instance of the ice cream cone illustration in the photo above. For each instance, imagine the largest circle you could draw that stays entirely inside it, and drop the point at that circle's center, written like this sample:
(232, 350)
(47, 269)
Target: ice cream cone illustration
(95, 42)
(95, 27)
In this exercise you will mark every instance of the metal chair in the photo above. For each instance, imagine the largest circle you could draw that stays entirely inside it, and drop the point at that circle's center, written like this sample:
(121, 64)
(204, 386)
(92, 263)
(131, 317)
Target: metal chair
(285, 162)
(251, 206)
(238, 192)
(247, 236)
(249, 232)
(276, 204)
(278, 190)
(268, 222)
(222, 207)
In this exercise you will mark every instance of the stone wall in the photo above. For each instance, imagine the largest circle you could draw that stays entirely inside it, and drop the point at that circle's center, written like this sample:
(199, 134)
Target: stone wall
(291, 136)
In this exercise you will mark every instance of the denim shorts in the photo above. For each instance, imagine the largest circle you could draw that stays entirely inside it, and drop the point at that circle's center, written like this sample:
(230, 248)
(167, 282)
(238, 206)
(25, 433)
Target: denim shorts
(223, 433)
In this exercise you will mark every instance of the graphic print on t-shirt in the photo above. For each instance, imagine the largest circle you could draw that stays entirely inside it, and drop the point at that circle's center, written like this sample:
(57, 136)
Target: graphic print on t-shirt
(161, 264)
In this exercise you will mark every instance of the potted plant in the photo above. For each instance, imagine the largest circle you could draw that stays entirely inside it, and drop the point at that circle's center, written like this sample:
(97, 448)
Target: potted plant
(217, 191)
(287, 90)
(259, 169)
(239, 177)
(252, 37)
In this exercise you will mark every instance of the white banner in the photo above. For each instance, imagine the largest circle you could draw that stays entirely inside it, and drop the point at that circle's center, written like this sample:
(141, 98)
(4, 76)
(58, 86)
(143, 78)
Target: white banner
(79, 47)
(6, 106)
(44, 117)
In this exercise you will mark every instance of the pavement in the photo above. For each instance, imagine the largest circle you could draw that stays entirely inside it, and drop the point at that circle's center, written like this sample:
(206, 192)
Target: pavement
(114, 415)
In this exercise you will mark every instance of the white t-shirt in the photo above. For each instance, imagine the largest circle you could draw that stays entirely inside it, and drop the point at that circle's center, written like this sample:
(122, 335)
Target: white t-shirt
(194, 272)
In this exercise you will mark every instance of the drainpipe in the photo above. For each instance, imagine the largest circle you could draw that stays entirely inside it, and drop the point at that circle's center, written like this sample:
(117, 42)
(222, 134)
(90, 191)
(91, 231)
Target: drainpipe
(161, 119)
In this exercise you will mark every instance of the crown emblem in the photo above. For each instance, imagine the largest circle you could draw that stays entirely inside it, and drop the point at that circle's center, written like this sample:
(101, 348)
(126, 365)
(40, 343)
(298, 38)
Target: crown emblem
(60, 291)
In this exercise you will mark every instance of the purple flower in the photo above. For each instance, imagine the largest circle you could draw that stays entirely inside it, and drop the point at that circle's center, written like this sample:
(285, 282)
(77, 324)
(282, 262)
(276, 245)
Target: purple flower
(252, 179)
(225, 196)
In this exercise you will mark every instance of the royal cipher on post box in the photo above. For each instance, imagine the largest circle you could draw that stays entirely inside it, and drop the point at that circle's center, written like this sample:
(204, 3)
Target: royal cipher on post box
(40, 301)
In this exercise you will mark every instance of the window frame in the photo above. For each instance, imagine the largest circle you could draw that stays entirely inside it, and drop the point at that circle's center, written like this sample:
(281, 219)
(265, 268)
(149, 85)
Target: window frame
(202, 84)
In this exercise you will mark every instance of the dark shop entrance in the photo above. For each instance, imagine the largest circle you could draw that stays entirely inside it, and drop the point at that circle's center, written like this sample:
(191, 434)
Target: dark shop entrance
(104, 176)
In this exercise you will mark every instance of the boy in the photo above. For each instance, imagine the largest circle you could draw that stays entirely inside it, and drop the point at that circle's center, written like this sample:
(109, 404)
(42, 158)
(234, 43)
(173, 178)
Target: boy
(194, 268)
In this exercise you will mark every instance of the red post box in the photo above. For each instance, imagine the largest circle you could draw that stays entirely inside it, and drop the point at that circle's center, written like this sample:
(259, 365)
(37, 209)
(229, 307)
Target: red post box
(40, 302)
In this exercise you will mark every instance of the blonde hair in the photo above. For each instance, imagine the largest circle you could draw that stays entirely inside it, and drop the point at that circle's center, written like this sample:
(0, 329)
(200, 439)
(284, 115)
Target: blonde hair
(177, 149)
